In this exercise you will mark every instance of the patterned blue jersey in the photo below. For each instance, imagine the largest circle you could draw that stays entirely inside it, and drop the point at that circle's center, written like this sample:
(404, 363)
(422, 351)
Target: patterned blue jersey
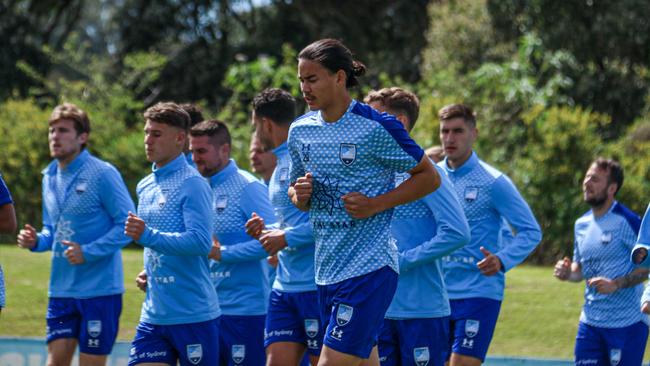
(295, 272)
(643, 241)
(176, 205)
(5, 196)
(602, 248)
(241, 277)
(488, 198)
(426, 230)
(361, 152)
(87, 202)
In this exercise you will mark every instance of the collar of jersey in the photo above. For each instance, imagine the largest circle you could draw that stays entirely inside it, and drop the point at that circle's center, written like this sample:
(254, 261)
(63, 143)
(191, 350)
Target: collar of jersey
(469, 165)
(74, 165)
(611, 208)
(320, 116)
(222, 175)
(178, 163)
(282, 149)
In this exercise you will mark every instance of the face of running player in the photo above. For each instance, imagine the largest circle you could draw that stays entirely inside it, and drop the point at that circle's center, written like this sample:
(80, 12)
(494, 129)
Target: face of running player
(262, 132)
(320, 87)
(162, 142)
(457, 138)
(64, 141)
(400, 117)
(596, 188)
(209, 158)
(262, 160)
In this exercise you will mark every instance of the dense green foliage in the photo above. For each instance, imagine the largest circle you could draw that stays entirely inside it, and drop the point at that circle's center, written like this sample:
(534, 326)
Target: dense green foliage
(554, 84)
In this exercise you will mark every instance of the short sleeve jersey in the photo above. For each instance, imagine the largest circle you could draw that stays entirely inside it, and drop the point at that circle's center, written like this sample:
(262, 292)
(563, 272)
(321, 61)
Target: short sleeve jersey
(361, 152)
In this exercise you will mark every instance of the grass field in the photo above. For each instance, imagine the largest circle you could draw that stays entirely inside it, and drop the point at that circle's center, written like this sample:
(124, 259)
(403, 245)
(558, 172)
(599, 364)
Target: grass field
(539, 316)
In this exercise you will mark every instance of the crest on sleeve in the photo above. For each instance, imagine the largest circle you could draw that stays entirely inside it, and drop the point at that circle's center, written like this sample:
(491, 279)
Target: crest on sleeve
(344, 314)
(348, 153)
(421, 356)
(238, 352)
(194, 353)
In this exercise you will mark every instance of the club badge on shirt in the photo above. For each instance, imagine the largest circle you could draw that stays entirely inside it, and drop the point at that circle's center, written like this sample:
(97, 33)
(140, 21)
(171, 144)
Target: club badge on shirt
(284, 174)
(606, 237)
(81, 187)
(221, 202)
(348, 153)
(471, 193)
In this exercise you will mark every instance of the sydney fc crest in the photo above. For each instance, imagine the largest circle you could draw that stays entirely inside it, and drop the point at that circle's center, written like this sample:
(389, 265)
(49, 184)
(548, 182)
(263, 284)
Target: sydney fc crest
(221, 202)
(238, 352)
(348, 153)
(194, 353)
(311, 327)
(421, 356)
(606, 237)
(94, 328)
(471, 327)
(615, 356)
(344, 314)
(471, 193)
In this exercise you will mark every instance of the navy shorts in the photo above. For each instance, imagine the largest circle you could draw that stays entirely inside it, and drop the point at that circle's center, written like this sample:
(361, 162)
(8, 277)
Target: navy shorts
(241, 340)
(353, 311)
(94, 321)
(472, 324)
(611, 346)
(294, 317)
(190, 344)
(422, 341)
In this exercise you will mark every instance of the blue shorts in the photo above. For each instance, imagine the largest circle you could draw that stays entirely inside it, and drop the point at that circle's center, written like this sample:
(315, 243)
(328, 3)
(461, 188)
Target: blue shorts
(241, 339)
(94, 321)
(422, 341)
(611, 346)
(353, 311)
(294, 317)
(472, 324)
(191, 344)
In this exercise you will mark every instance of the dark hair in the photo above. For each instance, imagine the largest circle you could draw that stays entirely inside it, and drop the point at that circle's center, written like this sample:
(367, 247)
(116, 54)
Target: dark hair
(334, 56)
(216, 130)
(614, 171)
(73, 113)
(458, 111)
(194, 111)
(168, 113)
(275, 104)
(396, 101)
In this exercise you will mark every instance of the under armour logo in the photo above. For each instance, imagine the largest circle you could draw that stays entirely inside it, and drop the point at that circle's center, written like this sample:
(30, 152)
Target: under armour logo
(468, 343)
(93, 343)
(336, 333)
(312, 343)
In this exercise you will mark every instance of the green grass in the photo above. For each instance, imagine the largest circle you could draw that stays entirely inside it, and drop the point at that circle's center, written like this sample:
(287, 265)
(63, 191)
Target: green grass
(539, 316)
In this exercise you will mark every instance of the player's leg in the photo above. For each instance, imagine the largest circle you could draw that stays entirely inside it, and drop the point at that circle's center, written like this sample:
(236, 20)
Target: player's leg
(242, 340)
(150, 347)
(423, 341)
(196, 343)
(590, 348)
(62, 331)
(284, 335)
(355, 310)
(100, 319)
(388, 344)
(475, 321)
(313, 329)
(626, 346)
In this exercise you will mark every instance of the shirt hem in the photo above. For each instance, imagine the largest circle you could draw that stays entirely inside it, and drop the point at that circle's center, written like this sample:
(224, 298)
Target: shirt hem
(183, 320)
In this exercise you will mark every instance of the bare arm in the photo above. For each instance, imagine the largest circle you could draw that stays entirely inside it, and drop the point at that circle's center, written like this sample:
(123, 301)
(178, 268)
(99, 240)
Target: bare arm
(7, 219)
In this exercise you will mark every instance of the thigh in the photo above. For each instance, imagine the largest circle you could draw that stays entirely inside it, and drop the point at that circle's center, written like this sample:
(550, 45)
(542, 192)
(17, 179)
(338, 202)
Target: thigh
(474, 322)
(590, 348)
(100, 319)
(313, 328)
(241, 339)
(63, 319)
(283, 322)
(151, 346)
(626, 345)
(423, 341)
(60, 351)
(196, 343)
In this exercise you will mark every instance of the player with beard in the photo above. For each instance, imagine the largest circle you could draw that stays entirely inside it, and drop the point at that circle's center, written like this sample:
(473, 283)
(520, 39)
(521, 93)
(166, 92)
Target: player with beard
(612, 329)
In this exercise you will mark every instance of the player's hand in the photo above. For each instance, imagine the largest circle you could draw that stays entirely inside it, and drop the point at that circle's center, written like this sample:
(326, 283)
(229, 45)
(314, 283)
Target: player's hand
(490, 265)
(358, 205)
(272, 260)
(639, 255)
(645, 307)
(141, 281)
(603, 285)
(303, 189)
(215, 251)
(27, 237)
(134, 226)
(562, 269)
(254, 226)
(273, 241)
(73, 252)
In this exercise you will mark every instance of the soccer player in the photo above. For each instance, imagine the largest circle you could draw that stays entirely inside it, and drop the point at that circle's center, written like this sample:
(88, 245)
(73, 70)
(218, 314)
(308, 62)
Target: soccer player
(7, 226)
(293, 321)
(179, 318)
(416, 327)
(196, 116)
(239, 270)
(263, 161)
(475, 274)
(85, 203)
(612, 329)
(344, 156)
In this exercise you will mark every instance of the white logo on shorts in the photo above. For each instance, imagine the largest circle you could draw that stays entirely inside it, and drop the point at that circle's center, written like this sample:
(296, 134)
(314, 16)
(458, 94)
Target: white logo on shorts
(344, 314)
(311, 327)
(471, 327)
(94, 328)
(615, 356)
(93, 343)
(421, 356)
(468, 343)
(194, 353)
(238, 352)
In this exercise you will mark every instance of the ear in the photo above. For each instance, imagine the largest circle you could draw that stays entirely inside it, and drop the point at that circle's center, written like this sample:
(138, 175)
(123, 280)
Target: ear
(341, 77)
(267, 125)
(611, 189)
(181, 136)
(83, 138)
(405, 121)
